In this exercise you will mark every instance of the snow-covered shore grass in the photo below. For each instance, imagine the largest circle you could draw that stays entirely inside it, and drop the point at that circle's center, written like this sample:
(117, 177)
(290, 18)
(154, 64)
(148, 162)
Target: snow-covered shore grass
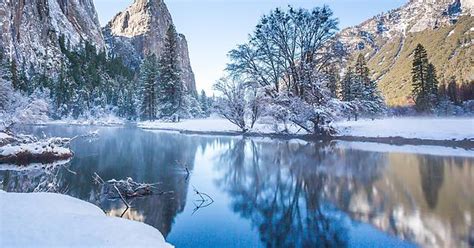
(410, 128)
(53, 220)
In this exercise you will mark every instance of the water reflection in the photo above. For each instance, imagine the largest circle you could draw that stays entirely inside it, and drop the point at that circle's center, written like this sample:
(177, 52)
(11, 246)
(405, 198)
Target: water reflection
(291, 193)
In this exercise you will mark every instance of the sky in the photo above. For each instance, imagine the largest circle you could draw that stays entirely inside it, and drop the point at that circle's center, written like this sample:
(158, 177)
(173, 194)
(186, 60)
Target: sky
(214, 27)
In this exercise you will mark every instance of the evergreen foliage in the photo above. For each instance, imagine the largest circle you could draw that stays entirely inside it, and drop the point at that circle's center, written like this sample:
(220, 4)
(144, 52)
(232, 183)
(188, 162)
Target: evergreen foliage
(149, 84)
(424, 81)
(171, 86)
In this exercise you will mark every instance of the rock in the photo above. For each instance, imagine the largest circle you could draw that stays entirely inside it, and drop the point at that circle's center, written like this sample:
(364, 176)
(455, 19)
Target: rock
(140, 30)
(30, 30)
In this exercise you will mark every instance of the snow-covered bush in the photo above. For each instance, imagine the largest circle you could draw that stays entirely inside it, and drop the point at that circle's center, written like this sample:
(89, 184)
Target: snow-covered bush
(17, 108)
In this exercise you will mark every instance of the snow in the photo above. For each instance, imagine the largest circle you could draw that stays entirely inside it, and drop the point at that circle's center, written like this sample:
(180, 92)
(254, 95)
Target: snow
(36, 148)
(4, 136)
(410, 128)
(106, 120)
(54, 220)
(212, 124)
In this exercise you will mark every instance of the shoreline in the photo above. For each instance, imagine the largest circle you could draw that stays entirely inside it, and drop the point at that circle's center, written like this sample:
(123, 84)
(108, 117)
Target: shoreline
(467, 144)
(395, 140)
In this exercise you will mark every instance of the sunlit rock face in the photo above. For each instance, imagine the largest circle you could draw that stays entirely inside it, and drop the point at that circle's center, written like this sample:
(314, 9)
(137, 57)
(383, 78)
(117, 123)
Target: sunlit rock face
(140, 30)
(30, 29)
(388, 39)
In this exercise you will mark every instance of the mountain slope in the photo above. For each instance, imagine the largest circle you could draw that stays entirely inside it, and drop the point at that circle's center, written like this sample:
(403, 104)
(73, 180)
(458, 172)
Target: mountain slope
(30, 30)
(140, 30)
(444, 27)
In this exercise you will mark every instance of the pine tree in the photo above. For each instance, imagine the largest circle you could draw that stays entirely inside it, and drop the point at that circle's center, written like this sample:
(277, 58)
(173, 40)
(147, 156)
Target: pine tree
(361, 70)
(432, 84)
(5, 67)
(346, 86)
(204, 102)
(333, 80)
(148, 79)
(14, 75)
(424, 80)
(171, 86)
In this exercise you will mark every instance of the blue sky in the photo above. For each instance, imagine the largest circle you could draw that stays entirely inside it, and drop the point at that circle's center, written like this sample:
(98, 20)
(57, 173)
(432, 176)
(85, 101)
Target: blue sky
(213, 27)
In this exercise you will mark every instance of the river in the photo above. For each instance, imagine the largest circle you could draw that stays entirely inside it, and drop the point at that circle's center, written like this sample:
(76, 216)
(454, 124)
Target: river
(267, 192)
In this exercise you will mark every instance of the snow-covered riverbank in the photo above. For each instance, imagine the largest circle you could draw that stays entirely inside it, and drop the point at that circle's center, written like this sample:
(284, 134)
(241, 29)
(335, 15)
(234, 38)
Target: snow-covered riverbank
(53, 220)
(408, 128)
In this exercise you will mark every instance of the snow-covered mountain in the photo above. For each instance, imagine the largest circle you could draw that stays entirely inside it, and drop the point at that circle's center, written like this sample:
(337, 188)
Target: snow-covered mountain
(141, 30)
(444, 27)
(30, 30)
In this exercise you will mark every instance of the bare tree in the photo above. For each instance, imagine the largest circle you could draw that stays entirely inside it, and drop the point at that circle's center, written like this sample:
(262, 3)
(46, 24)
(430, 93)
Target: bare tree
(232, 103)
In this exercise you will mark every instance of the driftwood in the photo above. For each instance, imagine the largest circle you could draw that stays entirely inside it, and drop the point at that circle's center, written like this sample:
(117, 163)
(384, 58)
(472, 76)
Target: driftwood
(124, 188)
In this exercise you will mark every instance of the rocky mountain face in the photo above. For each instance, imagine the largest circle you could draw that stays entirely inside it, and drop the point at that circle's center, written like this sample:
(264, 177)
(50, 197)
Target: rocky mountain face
(444, 27)
(30, 29)
(140, 30)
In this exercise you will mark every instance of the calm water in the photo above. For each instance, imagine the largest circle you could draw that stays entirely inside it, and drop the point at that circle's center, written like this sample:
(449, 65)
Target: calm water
(269, 193)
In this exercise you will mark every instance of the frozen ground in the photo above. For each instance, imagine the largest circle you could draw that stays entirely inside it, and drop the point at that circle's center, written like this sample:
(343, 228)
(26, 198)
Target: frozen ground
(420, 128)
(53, 220)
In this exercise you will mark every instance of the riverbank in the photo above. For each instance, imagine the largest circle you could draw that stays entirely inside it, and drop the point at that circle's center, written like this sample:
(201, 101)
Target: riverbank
(397, 131)
(53, 220)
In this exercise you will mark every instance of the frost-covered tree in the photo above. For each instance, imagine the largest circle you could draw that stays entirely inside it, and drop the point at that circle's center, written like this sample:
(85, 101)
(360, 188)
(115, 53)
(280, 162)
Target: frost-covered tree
(171, 86)
(6, 94)
(360, 91)
(424, 80)
(288, 56)
(149, 87)
(231, 105)
(204, 102)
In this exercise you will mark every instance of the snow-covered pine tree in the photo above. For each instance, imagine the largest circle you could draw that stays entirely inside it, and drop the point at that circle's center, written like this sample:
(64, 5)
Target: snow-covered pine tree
(170, 84)
(346, 91)
(149, 83)
(333, 80)
(370, 97)
(204, 102)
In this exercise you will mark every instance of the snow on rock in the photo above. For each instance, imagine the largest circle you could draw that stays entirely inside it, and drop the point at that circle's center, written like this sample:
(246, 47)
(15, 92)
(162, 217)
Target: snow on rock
(410, 128)
(53, 220)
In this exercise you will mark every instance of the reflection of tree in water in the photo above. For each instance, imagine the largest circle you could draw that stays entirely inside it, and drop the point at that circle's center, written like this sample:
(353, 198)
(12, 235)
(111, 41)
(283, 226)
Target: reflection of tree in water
(281, 188)
(432, 177)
